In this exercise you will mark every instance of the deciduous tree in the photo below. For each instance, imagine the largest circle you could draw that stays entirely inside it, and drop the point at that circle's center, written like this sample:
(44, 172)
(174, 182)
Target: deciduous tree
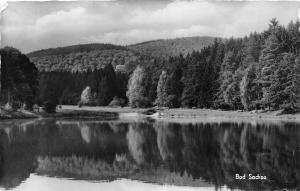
(136, 93)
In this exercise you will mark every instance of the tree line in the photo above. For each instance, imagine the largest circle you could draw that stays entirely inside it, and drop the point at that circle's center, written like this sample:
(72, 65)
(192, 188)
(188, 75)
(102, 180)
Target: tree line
(259, 71)
(100, 87)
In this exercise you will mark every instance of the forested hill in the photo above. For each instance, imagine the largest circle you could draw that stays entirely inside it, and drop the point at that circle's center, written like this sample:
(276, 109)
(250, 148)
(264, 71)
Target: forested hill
(83, 57)
(165, 48)
(258, 71)
(74, 48)
(94, 56)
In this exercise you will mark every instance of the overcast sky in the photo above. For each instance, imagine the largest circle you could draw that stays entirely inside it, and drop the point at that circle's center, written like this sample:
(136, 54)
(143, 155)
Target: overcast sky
(31, 26)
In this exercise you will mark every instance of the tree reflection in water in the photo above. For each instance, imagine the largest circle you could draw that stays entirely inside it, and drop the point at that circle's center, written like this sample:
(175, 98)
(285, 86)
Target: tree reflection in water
(152, 151)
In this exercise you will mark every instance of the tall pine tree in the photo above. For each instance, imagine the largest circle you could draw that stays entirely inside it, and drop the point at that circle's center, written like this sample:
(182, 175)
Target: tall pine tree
(162, 90)
(248, 88)
(107, 86)
(270, 56)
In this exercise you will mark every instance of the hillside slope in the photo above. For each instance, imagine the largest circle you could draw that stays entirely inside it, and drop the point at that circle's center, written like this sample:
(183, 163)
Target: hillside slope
(83, 57)
(74, 48)
(172, 47)
(94, 56)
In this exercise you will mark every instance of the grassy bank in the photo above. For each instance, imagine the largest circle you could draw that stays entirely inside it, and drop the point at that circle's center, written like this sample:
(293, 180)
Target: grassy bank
(61, 113)
(73, 113)
(188, 114)
(178, 114)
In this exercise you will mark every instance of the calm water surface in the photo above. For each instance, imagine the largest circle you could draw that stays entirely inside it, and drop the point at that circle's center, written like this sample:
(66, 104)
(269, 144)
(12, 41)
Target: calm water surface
(50, 155)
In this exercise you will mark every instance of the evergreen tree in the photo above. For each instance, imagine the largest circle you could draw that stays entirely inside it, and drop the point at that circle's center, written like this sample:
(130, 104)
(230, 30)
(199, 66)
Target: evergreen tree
(231, 94)
(253, 48)
(269, 59)
(50, 97)
(288, 76)
(162, 90)
(248, 88)
(293, 37)
(103, 96)
(227, 84)
(107, 86)
(154, 68)
(175, 85)
(121, 83)
(192, 80)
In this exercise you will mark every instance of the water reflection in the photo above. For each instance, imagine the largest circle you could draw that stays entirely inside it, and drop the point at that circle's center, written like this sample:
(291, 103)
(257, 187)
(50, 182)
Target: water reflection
(158, 152)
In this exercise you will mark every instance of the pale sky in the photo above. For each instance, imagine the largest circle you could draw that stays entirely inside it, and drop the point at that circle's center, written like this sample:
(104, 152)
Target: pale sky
(31, 26)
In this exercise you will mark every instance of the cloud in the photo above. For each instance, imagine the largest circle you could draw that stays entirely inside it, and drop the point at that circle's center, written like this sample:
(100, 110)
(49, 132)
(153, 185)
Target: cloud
(60, 18)
(66, 23)
(178, 13)
(76, 21)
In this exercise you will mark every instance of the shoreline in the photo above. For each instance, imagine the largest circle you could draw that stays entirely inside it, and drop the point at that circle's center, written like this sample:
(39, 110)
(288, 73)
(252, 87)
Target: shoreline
(66, 113)
(186, 114)
(174, 114)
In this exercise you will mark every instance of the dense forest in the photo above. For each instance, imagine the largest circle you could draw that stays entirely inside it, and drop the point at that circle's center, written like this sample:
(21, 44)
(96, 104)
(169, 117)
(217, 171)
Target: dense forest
(259, 71)
(165, 48)
(66, 87)
(92, 56)
(85, 57)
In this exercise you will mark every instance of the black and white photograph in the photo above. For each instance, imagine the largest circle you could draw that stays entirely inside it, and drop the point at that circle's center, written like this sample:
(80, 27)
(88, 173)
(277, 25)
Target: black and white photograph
(149, 95)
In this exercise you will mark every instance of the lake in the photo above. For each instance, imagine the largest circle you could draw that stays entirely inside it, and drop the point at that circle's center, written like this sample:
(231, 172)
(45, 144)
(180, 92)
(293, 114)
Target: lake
(148, 154)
